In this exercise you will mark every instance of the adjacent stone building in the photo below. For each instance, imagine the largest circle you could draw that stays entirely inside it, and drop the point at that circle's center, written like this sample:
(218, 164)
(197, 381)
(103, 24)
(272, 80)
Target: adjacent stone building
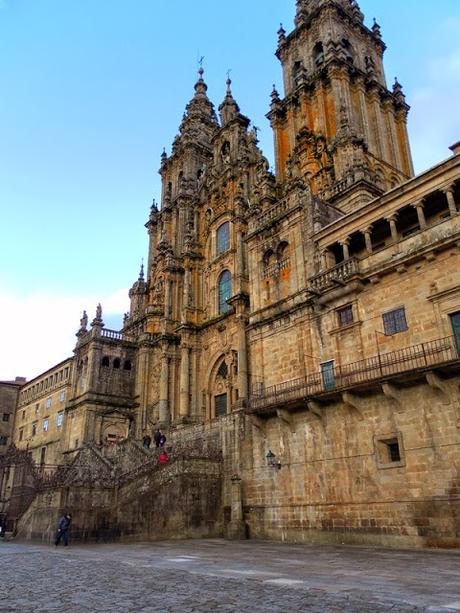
(9, 391)
(305, 322)
(40, 420)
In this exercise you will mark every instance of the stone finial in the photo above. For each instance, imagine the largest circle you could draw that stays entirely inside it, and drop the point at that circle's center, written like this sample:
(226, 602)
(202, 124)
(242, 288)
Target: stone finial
(281, 34)
(398, 91)
(141, 271)
(376, 29)
(275, 96)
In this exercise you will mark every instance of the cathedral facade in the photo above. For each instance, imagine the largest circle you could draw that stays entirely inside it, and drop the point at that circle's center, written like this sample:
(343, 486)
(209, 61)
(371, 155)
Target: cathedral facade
(306, 320)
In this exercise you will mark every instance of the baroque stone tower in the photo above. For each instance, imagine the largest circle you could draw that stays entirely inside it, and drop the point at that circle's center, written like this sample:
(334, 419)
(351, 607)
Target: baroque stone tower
(338, 125)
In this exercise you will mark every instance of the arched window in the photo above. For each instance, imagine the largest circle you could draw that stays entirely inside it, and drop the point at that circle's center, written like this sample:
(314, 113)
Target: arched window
(116, 363)
(225, 292)
(223, 370)
(105, 361)
(223, 238)
(318, 54)
(127, 365)
(348, 49)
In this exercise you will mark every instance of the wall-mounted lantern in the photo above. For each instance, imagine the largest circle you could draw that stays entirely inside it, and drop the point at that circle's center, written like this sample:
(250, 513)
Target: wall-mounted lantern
(272, 460)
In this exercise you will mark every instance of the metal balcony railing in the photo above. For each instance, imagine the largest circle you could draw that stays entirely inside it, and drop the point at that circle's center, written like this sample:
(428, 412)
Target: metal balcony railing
(381, 366)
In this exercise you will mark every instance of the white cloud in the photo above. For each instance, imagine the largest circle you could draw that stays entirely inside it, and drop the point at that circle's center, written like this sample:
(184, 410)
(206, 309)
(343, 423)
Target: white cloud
(38, 331)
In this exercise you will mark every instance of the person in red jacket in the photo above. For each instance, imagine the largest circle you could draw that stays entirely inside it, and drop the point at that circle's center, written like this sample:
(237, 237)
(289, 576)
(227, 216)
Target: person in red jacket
(164, 457)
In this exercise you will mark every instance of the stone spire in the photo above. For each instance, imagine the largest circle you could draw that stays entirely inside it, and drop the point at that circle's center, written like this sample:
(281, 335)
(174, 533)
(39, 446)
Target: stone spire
(200, 118)
(229, 109)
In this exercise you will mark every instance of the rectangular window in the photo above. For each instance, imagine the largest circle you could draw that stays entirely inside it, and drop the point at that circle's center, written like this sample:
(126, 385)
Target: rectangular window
(3, 440)
(394, 321)
(37, 408)
(345, 315)
(23, 415)
(46, 423)
(59, 419)
(6, 417)
(221, 405)
(62, 396)
(48, 403)
(21, 434)
(389, 450)
(34, 428)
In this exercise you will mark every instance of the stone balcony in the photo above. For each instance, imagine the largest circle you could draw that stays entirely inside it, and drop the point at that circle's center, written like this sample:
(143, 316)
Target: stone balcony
(340, 274)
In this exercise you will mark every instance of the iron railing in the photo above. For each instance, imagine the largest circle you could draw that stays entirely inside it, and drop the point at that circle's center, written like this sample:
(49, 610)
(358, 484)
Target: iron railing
(380, 366)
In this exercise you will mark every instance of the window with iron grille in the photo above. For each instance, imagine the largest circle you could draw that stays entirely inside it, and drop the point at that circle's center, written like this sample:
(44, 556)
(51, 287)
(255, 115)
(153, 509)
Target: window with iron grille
(345, 315)
(221, 405)
(3, 440)
(395, 321)
(6, 417)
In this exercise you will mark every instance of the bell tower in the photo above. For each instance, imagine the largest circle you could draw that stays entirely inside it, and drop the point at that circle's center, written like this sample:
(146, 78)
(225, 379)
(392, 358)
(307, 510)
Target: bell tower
(338, 125)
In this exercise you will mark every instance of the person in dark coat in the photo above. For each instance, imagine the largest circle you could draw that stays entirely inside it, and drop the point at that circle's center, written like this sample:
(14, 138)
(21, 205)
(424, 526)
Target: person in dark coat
(157, 437)
(63, 529)
(146, 441)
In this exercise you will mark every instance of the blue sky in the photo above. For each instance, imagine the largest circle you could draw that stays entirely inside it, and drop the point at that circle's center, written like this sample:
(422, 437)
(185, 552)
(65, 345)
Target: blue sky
(90, 93)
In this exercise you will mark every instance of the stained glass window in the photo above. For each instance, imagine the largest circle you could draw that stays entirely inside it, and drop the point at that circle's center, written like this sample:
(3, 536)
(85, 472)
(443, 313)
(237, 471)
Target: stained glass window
(225, 292)
(223, 238)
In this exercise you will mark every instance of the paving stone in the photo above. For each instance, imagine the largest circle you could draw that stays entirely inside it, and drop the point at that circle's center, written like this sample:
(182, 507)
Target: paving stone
(251, 576)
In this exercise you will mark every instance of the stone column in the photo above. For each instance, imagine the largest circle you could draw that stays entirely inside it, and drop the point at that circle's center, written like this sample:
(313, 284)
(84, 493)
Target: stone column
(168, 292)
(236, 528)
(186, 294)
(164, 390)
(240, 254)
(142, 378)
(345, 247)
(418, 206)
(242, 362)
(394, 230)
(184, 383)
(451, 201)
(367, 237)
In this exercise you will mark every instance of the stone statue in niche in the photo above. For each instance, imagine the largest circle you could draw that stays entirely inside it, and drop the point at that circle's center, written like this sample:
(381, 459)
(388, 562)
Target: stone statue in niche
(225, 153)
(159, 290)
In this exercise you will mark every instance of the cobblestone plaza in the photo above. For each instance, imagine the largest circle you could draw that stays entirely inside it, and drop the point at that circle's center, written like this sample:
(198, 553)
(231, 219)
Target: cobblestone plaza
(218, 575)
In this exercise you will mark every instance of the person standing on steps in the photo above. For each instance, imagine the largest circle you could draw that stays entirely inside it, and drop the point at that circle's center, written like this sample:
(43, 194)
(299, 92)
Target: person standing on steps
(146, 441)
(157, 437)
(63, 529)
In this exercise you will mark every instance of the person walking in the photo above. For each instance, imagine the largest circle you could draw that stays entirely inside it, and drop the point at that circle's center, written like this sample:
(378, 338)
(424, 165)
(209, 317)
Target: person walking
(63, 529)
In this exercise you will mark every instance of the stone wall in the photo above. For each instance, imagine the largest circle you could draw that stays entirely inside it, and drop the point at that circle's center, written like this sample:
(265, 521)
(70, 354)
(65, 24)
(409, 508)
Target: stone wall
(179, 500)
